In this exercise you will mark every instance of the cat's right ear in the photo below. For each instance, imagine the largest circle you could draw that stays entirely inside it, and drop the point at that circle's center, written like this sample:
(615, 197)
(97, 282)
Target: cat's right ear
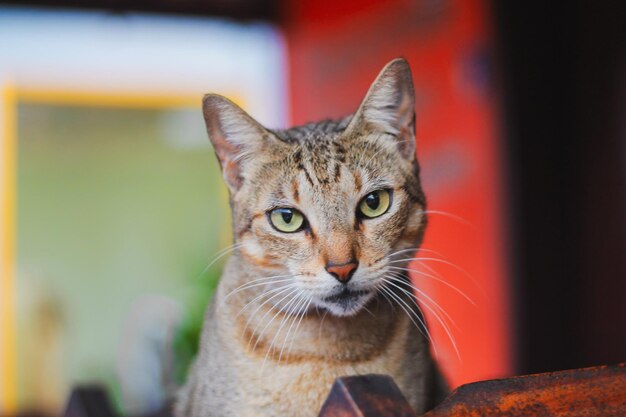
(389, 107)
(235, 136)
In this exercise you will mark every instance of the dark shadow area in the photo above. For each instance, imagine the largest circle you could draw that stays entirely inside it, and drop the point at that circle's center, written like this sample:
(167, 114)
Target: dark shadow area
(563, 72)
(235, 9)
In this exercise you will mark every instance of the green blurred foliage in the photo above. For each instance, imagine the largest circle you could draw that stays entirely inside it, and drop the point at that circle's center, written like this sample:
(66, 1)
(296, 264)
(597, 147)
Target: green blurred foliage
(187, 338)
(113, 204)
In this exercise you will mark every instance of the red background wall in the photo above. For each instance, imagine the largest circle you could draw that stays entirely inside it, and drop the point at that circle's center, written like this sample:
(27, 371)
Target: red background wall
(335, 51)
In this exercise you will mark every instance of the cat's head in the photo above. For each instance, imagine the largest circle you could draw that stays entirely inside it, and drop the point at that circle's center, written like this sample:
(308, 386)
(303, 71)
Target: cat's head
(325, 206)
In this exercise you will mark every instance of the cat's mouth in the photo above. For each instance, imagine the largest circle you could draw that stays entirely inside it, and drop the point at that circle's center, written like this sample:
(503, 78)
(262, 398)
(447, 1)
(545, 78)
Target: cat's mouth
(345, 295)
(347, 301)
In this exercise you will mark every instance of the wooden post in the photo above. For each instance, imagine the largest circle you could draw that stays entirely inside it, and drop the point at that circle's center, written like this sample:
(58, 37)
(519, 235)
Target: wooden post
(366, 396)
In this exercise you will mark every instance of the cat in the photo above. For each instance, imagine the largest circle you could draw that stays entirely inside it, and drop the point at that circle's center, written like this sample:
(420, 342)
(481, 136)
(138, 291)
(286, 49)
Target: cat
(325, 215)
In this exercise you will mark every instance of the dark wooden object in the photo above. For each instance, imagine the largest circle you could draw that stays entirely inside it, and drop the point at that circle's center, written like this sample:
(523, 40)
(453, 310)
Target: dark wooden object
(366, 396)
(590, 392)
(89, 402)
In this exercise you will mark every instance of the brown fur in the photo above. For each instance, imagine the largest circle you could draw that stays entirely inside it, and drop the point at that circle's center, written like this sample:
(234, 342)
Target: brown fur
(273, 347)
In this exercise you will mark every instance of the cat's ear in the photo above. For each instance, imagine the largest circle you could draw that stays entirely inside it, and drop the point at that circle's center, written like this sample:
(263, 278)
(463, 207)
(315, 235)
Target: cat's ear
(235, 136)
(389, 107)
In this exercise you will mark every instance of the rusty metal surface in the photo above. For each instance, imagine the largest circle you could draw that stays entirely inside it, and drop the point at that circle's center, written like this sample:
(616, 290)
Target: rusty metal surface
(366, 396)
(589, 392)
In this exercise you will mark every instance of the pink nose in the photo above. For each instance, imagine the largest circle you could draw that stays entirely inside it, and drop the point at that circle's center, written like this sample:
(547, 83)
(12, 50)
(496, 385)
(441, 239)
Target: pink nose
(342, 272)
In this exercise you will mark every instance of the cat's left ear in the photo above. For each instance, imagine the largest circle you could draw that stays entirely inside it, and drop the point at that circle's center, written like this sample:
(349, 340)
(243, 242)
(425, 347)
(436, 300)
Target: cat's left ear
(389, 107)
(236, 137)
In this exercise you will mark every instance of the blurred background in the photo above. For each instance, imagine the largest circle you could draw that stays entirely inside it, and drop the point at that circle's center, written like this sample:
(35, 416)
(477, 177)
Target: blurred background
(113, 212)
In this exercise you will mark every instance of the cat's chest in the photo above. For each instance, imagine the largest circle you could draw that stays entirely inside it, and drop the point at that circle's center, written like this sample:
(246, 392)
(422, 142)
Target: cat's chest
(296, 384)
(295, 390)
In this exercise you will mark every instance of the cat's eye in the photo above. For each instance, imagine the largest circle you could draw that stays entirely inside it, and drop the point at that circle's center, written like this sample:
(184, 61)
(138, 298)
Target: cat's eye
(287, 220)
(375, 204)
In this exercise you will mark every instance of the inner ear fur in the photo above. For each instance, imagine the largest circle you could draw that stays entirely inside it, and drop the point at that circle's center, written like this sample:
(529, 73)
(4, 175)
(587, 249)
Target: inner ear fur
(235, 136)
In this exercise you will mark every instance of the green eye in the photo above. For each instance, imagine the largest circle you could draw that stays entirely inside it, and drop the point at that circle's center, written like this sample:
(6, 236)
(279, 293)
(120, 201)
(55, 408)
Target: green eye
(287, 220)
(375, 204)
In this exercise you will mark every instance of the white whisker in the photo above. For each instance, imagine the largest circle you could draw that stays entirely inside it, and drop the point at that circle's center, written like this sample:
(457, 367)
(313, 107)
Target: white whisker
(220, 254)
(443, 324)
(301, 312)
(444, 282)
(263, 294)
(441, 259)
(298, 325)
(290, 308)
(431, 270)
(280, 310)
(259, 281)
(427, 297)
(379, 288)
(289, 287)
(402, 251)
(319, 329)
(452, 216)
(293, 318)
(425, 332)
(280, 290)
(445, 262)
(423, 258)
(368, 311)
(446, 329)
(410, 313)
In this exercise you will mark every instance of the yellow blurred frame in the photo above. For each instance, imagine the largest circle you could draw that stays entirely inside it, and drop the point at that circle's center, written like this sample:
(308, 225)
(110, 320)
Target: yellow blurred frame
(11, 97)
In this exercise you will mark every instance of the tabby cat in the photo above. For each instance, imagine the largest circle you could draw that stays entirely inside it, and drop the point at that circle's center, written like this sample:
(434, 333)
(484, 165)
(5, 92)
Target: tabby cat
(325, 216)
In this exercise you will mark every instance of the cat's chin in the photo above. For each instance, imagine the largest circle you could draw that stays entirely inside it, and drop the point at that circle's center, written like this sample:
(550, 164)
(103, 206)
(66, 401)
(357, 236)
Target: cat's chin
(346, 303)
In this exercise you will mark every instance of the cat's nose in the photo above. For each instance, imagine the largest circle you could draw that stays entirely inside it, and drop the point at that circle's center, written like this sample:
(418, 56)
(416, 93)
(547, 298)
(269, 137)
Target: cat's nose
(342, 272)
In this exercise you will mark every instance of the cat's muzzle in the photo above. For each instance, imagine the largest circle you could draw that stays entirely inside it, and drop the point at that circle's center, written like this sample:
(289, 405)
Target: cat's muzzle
(348, 300)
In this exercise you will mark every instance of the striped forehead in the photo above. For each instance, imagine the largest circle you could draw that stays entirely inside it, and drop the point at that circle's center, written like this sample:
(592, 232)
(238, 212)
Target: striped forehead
(325, 163)
(324, 194)
(320, 162)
